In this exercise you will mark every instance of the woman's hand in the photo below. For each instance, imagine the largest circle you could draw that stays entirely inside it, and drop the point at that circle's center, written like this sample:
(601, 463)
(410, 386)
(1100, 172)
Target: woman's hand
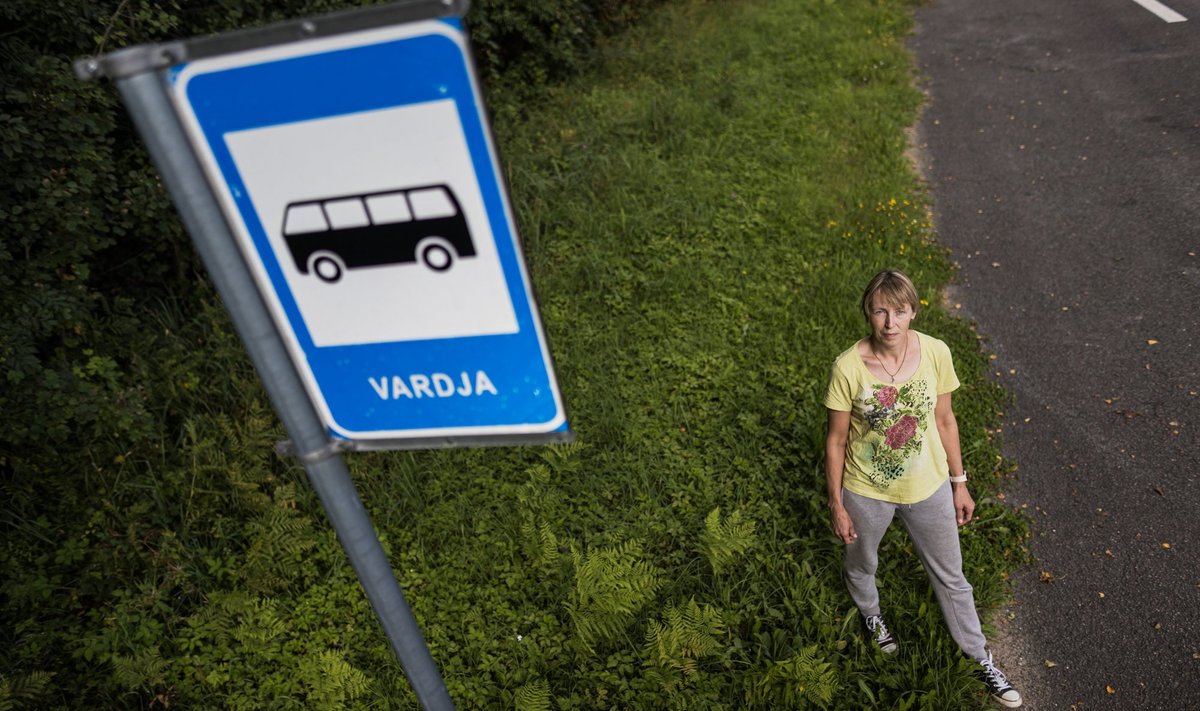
(843, 526)
(964, 505)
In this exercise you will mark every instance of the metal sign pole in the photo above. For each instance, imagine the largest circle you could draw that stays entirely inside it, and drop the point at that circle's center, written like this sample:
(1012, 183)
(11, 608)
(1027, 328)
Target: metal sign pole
(146, 98)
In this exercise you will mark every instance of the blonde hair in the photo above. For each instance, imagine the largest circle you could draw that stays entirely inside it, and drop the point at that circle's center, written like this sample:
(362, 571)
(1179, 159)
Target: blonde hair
(894, 286)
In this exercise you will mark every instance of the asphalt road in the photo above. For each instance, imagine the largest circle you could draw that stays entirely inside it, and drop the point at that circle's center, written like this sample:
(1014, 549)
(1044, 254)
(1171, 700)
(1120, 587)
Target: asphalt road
(1061, 145)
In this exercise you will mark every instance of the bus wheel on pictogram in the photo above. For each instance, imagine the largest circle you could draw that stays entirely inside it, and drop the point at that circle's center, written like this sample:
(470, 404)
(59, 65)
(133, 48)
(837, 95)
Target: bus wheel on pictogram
(436, 253)
(327, 266)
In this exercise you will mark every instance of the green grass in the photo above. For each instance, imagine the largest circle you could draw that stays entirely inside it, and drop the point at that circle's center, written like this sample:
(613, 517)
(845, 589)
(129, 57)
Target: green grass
(699, 216)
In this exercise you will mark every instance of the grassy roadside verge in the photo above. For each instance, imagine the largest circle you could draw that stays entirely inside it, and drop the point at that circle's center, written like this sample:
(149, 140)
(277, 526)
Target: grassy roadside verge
(699, 215)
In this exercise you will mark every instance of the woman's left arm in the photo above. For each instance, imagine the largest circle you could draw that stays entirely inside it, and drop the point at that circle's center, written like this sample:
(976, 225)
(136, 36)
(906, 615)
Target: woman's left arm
(947, 427)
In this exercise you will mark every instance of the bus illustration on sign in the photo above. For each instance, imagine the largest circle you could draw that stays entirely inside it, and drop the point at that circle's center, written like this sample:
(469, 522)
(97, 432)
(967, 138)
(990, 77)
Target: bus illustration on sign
(421, 224)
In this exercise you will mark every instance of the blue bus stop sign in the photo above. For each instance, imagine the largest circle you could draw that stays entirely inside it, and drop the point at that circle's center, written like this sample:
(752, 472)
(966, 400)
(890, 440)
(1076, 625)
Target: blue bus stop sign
(359, 176)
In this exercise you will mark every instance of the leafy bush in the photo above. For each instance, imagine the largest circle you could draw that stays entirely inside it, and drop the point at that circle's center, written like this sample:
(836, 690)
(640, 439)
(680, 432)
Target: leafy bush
(138, 481)
(529, 42)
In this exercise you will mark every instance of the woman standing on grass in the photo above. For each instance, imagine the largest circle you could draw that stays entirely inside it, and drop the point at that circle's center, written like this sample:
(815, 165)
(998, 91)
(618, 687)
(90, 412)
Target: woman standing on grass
(893, 448)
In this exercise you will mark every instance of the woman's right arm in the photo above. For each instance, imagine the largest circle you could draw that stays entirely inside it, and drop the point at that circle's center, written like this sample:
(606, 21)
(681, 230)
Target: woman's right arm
(835, 463)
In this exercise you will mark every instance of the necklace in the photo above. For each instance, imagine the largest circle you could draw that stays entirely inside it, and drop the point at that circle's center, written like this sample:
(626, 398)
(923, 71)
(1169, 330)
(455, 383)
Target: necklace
(898, 367)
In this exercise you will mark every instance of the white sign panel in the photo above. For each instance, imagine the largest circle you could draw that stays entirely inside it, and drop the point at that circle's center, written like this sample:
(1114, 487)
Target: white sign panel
(346, 158)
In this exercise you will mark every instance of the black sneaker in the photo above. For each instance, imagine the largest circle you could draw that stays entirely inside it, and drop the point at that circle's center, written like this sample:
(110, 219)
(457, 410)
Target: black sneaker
(878, 632)
(997, 683)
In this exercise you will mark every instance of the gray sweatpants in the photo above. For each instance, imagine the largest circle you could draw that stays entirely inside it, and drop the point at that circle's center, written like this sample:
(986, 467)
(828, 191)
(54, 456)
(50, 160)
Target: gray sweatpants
(931, 525)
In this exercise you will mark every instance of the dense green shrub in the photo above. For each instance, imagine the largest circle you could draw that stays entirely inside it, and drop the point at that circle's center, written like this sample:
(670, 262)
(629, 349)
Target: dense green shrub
(134, 440)
(524, 43)
(88, 238)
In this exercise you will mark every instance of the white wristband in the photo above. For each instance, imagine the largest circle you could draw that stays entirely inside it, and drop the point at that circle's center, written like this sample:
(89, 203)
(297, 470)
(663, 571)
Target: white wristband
(959, 479)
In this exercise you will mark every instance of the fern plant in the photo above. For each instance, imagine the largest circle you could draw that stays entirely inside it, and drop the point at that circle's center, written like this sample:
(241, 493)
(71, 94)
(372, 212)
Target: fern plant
(534, 696)
(23, 690)
(331, 680)
(536, 502)
(724, 541)
(611, 586)
(143, 671)
(799, 681)
(541, 545)
(279, 538)
(687, 634)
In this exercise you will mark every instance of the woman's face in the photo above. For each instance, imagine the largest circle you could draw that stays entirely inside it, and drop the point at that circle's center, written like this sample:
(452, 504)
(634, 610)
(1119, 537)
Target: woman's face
(889, 322)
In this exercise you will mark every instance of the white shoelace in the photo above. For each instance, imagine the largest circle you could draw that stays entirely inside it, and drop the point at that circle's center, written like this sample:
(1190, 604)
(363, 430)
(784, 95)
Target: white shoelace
(875, 622)
(993, 673)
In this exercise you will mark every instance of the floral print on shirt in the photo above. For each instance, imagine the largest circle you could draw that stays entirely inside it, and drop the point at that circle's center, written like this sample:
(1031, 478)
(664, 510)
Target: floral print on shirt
(897, 416)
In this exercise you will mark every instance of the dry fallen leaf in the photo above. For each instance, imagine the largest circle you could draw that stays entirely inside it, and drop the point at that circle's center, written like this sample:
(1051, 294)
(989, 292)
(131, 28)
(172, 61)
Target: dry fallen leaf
(1152, 342)
(1110, 689)
(1102, 594)
(1047, 576)
(1050, 663)
(1166, 545)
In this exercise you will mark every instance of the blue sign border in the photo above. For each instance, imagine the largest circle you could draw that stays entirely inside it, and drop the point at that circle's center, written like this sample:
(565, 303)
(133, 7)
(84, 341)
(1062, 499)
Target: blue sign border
(356, 77)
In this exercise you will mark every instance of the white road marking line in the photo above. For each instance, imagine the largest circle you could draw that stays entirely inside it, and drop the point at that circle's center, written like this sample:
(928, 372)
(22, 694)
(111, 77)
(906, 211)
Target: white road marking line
(1164, 13)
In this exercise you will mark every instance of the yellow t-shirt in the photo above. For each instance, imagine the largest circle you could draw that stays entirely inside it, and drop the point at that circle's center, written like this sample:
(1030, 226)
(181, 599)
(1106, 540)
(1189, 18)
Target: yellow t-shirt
(893, 451)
